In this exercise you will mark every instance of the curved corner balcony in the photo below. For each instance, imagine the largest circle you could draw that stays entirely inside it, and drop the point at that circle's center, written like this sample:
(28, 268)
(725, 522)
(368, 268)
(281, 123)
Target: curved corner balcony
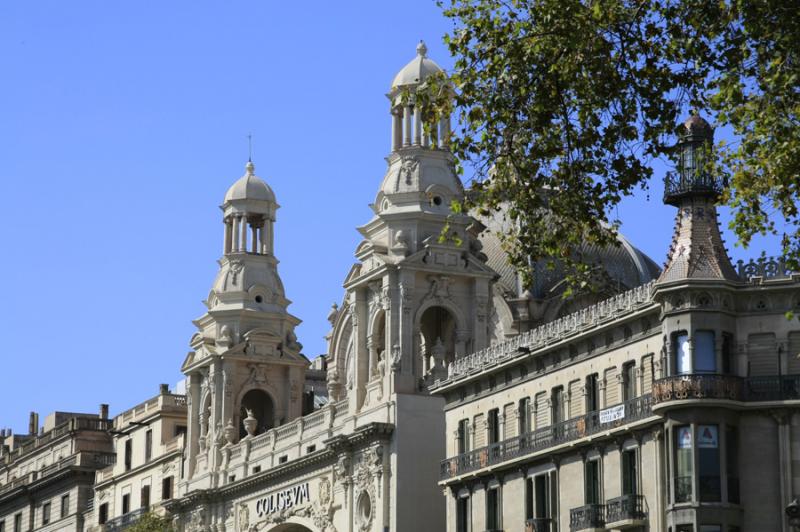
(714, 387)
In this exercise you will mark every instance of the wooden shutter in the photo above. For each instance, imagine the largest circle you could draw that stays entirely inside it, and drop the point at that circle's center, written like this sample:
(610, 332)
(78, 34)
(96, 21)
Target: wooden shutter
(509, 421)
(793, 354)
(612, 387)
(542, 410)
(762, 354)
(480, 431)
(575, 399)
(647, 374)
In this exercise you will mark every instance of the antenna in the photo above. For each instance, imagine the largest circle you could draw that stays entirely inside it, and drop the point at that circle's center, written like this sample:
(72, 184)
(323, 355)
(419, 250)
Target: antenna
(250, 147)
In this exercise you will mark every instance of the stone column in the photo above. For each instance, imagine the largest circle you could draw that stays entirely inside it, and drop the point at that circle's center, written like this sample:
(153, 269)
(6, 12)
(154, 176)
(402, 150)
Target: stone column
(397, 128)
(407, 125)
(243, 241)
(373, 357)
(193, 432)
(261, 240)
(228, 231)
(236, 232)
(254, 236)
(417, 125)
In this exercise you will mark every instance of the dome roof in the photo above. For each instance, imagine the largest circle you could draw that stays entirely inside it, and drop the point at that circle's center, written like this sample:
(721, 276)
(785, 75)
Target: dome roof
(416, 71)
(624, 264)
(696, 125)
(250, 187)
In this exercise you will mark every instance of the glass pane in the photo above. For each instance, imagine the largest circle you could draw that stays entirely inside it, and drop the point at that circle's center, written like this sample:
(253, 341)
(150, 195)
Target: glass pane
(732, 463)
(683, 354)
(705, 359)
(683, 464)
(708, 467)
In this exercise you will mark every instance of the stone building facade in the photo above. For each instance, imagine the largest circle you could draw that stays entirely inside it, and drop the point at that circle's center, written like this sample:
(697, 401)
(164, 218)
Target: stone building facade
(47, 475)
(670, 407)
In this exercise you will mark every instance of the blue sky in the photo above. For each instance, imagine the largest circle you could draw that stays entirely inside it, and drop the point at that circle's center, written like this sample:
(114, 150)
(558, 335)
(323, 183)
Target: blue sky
(121, 126)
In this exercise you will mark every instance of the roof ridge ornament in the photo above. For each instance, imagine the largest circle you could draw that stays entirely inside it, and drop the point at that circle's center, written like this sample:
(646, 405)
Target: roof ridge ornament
(250, 168)
(422, 50)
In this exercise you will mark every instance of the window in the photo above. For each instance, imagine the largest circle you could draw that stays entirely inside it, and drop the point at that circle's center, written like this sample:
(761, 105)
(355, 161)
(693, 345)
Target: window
(145, 497)
(544, 504)
(557, 402)
(727, 353)
(592, 478)
(283, 459)
(18, 523)
(180, 429)
(592, 393)
(524, 411)
(310, 449)
(494, 425)
(2, 526)
(630, 472)
(148, 445)
(732, 463)
(126, 503)
(46, 513)
(708, 463)
(683, 354)
(529, 498)
(166, 488)
(492, 509)
(683, 464)
(462, 514)
(128, 454)
(628, 381)
(463, 433)
(64, 506)
(705, 357)
(257, 469)
(103, 514)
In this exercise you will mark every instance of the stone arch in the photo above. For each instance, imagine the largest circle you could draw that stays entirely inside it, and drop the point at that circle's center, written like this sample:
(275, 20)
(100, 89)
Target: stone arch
(264, 409)
(294, 524)
(436, 341)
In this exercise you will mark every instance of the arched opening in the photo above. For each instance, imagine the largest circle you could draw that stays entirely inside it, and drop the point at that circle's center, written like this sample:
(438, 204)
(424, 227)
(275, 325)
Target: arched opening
(437, 339)
(263, 409)
(290, 527)
(378, 339)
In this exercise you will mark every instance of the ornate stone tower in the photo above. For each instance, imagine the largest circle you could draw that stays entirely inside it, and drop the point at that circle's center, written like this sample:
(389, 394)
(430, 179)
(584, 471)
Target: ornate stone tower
(697, 285)
(245, 361)
(417, 299)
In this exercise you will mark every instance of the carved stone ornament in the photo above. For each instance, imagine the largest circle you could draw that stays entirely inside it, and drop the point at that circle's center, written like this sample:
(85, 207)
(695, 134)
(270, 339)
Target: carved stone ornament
(250, 423)
(230, 433)
(409, 170)
(396, 357)
(342, 470)
(236, 268)
(258, 375)
(324, 491)
(244, 517)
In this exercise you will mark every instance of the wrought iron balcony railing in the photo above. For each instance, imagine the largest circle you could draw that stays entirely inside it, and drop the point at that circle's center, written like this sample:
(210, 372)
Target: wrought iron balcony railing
(587, 517)
(124, 521)
(729, 387)
(680, 184)
(546, 437)
(626, 508)
(539, 524)
(764, 267)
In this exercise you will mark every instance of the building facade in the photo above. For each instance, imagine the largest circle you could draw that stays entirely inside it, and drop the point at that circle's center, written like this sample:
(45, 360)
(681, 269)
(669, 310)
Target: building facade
(47, 475)
(670, 407)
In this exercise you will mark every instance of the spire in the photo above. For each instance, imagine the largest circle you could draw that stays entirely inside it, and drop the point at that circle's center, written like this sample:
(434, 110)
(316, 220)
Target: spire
(697, 250)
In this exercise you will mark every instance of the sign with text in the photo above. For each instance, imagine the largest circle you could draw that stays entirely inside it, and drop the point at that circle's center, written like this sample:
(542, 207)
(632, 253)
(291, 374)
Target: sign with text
(612, 414)
(707, 437)
(283, 500)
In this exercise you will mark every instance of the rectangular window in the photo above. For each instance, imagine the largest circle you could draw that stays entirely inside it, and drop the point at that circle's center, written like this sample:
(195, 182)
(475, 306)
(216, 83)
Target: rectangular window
(683, 464)
(557, 402)
(102, 516)
(166, 488)
(145, 497)
(630, 472)
(126, 503)
(492, 509)
(705, 356)
(493, 421)
(529, 498)
(628, 381)
(727, 354)
(683, 354)
(64, 506)
(462, 514)
(732, 463)
(541, 497)
(148, 445)
(524, 411)
(592, 477)
(18, 523)
(708, 467)
(592, 393)
(463, 434)
(46, 513)
(128, 454)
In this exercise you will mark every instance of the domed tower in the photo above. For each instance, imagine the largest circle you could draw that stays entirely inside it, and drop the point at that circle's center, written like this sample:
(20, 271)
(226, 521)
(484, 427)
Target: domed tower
(245, 360)
(417, 298)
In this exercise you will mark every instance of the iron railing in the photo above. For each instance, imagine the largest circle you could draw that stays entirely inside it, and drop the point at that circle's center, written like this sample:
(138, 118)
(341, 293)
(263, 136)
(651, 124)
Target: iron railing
(764, 267)
(625, 508)
(587, 517)
(730, 387)
(124, 521)
(546, 437)
(679, 184)
(539, 524)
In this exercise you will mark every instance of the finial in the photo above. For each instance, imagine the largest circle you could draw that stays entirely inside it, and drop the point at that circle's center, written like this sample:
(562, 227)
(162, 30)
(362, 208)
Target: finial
(250, 147)
(422, 49)
(250, 167)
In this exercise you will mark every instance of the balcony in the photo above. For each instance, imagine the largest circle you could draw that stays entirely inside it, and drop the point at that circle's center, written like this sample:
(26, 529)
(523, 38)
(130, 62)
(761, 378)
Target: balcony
(547, 437)
(124, 521)
(589, 518)
(539, 524)
(626, 512)
(726, 387)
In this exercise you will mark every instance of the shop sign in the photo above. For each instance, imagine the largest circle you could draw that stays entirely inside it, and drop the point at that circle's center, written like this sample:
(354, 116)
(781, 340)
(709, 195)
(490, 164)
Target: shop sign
(707, 437)
(685, 438)
(612, 414)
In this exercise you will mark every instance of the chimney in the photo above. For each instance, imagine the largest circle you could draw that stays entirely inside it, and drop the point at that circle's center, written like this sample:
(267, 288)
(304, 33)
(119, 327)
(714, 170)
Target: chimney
(103, 411)
(163, 389)
(33, 424)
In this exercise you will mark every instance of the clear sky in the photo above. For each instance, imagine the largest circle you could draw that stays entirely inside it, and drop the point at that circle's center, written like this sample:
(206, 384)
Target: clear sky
(123, 123)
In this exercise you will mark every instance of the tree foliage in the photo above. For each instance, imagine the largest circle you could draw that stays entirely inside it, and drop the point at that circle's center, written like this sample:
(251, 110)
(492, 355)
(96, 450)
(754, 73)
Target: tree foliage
(562, 106)
(152, 522)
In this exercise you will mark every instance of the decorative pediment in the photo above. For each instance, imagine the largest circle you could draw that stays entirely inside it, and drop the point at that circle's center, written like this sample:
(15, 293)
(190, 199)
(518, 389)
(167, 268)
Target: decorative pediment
(354, 273)
(449, 258)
